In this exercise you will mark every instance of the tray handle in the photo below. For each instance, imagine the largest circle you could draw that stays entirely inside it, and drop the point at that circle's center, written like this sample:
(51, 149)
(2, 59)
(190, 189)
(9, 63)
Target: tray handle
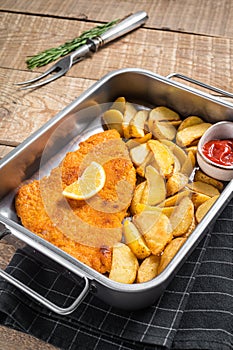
(33, 294)
(199, 83)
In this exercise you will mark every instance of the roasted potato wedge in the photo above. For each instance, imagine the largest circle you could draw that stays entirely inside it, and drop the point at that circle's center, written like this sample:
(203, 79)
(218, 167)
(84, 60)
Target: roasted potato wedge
(191, 228)
(200, 176)
(131, 143)
(150, 160)
(155, 228)
(148, 269)
(192, 149)
(135, 241)
(119, 104)
(203, 187)
(199, 198)
(163, 157)
(176, 183)
(139, 207)
(176, 150)
(138, 154)
(113, 120)
(137, 123)
(193, 133)
(124, 264)
(163, 130)
(162, 113)
(189, 121)
(182, 217)
(189, 164)
(137, 196)
(204, 208)
(169, 252)
(175, 199)
(177, 165)
(129, 113)
(156, 186)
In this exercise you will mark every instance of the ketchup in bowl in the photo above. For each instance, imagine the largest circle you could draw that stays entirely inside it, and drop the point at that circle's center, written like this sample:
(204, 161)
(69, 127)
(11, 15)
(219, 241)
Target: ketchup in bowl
(219, 151)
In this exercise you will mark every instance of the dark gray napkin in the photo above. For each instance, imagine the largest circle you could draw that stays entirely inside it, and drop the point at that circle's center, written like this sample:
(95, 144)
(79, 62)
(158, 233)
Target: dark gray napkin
(195, 311)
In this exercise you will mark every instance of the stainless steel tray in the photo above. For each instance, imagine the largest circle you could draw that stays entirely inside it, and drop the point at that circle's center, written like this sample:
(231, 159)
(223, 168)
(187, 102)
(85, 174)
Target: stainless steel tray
(37, 155)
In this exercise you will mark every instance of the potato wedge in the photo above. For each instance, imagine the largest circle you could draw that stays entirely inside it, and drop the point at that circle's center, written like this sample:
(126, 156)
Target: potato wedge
(138, 154)
(113, 120)
(150, 160)
(176, 150)
(200, 176)
(192, 149)
(129, 113)
(182, 217)
(124, 264)
(162, 113)
(189, 121)
(188, 166)
(163, 157)
(148, 269)
(203, 187)
(204, 208)
(187, 136)
(156, 186)
(137, 123)
(135, 241)
(191, 228)
(155, 228)
(176, 183)
(131, 143)
(198, 198)
(177, 165)
(139, 207)
(119, 104)
(163, 130)
(137, 196)
(175, 199)
(169, 252)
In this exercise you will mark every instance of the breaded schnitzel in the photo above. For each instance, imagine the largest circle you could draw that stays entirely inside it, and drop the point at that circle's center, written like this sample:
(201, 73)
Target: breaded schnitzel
(84, 229)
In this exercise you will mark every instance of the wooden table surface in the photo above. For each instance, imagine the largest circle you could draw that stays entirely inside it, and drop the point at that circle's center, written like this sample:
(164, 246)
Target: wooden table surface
(192, 37)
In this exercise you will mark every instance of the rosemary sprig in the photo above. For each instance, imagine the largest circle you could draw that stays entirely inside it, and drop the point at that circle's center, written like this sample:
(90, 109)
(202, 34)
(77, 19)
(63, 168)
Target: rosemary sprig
(52, 54)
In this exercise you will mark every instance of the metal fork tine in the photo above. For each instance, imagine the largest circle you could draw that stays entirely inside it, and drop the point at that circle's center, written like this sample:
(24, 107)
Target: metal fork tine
(50, 70)
(43, 82)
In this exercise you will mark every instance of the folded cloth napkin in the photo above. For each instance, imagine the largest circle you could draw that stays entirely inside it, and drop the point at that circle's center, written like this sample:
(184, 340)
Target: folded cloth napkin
(195, 311)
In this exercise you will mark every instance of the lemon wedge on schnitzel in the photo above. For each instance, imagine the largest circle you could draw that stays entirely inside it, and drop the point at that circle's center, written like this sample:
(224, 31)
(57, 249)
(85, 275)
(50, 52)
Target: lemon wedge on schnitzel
(89, 184)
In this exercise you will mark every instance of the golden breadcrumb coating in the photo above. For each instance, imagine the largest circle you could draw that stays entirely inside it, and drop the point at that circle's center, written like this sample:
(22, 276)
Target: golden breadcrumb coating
(84, 229)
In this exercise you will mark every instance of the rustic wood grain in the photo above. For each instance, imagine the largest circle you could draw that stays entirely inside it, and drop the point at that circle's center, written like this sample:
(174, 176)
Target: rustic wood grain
(24, 112)
(209, 17)
(14, 340)
(162, 52)
(4, 150)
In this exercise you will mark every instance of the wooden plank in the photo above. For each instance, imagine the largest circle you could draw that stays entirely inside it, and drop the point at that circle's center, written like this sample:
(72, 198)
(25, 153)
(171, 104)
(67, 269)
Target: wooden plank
(180, 15)
(162, 52)
(13, 340)
(22, 113)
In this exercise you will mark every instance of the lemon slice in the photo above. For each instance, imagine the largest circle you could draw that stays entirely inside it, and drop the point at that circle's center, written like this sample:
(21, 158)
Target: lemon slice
(89, 184)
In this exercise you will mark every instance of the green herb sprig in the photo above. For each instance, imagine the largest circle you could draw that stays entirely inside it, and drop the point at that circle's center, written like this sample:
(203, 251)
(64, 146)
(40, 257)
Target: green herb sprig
(52, 54)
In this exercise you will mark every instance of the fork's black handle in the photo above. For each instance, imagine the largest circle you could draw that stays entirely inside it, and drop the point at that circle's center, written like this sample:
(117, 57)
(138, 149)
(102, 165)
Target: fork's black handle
(127, 25)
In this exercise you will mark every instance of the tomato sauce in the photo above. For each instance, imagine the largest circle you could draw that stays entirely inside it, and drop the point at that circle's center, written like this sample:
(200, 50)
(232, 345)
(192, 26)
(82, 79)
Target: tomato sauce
(219, 151)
